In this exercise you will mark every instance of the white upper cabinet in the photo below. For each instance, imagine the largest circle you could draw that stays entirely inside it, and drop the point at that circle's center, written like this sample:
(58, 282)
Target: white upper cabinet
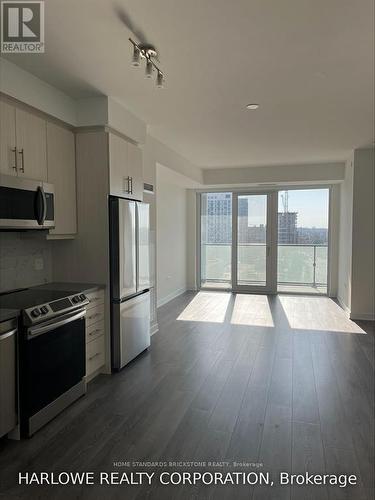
(135, 169)
(119, 183)
(31, 138)
(62, 174)
(23, 149)
(8, 151)
(125, 168)
(36, 148)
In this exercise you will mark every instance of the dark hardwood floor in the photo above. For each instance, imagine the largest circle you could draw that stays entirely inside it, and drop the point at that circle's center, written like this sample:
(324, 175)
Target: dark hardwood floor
(283, 383)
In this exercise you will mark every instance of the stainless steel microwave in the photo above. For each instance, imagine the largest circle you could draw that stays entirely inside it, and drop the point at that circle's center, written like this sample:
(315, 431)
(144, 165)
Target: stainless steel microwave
(26, 204)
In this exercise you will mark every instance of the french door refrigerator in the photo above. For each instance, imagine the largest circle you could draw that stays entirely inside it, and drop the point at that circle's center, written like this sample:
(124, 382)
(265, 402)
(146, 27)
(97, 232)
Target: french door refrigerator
(130, 279)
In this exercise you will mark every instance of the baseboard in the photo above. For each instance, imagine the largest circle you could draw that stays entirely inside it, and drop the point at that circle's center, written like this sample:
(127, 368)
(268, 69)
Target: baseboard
(171, 296)
(343, 306)
(362, 316)
(154, 327)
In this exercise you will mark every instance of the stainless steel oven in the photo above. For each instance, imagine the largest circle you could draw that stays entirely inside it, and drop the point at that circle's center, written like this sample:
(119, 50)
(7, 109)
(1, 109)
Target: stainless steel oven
(52, 368)
(26, 204)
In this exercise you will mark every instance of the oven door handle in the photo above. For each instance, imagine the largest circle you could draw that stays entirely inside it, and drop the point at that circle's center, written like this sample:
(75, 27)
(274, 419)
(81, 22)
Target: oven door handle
(39, 330)
(6, 335)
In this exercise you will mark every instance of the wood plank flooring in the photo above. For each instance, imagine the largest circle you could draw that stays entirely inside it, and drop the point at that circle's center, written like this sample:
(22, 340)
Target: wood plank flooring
(285, 383)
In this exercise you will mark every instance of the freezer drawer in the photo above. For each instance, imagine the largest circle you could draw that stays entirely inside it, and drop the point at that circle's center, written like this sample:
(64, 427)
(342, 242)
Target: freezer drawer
(130, 329)
(8, 392)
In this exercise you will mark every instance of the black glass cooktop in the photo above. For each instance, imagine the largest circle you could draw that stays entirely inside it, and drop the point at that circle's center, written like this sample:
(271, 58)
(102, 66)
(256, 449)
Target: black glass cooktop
(24, 299)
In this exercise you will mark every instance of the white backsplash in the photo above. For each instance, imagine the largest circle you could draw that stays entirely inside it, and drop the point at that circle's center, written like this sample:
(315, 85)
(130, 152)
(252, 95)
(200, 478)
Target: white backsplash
(25, 260)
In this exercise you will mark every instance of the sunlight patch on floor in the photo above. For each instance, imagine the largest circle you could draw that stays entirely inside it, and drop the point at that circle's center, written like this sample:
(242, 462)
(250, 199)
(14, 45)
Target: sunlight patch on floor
(252, 310)
(207, 306)
(317, 313)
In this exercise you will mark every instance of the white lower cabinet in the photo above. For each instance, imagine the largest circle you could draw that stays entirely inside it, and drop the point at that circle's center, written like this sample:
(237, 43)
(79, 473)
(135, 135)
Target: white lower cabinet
(95, 334)
(94, 315)
(95, 355)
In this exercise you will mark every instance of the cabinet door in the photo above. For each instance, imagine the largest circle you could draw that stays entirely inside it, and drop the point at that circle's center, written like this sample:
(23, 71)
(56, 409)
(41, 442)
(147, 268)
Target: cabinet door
(7, 139)
(8, 415)
(62, 173)
(119, 183)
(31, 146)
(135, 169)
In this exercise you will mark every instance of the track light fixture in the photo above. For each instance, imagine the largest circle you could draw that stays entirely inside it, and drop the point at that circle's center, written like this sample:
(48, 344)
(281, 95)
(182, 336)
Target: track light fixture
(149, 53)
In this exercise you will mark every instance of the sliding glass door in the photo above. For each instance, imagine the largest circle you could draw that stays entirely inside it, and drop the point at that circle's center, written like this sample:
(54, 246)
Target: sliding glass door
(265, 242)
(216, 240)
(253, 257)
(302, 262)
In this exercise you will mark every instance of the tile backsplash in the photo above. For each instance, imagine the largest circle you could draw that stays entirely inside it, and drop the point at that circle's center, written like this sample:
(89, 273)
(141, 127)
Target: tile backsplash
(25, 260)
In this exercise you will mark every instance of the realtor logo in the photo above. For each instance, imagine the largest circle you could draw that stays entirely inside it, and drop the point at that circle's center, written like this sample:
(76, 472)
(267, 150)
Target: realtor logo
(22, 27)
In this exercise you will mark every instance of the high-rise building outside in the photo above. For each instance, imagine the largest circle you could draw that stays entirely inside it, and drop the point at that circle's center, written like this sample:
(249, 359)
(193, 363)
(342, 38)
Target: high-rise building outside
(287, 227)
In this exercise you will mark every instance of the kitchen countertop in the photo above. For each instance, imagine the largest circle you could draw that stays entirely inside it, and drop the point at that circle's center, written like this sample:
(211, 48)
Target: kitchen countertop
(6, 314)
(71, 287)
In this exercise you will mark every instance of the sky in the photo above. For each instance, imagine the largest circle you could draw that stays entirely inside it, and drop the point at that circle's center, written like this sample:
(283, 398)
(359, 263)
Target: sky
(311, 205)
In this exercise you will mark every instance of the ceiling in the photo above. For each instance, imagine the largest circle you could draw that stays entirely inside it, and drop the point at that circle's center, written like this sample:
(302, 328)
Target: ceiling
(308, 63)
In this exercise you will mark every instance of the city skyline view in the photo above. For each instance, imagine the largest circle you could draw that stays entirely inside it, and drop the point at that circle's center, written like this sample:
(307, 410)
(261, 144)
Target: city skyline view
(302, 217)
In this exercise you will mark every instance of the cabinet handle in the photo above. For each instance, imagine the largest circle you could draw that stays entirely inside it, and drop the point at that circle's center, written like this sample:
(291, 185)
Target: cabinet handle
(22, 168)
(131, 185)
(127, 188)
(95, 355)
(14, 150)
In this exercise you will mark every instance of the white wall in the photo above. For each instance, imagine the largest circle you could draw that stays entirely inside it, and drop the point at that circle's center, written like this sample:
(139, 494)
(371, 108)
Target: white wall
(171, 235)
(345, 237)
(362, 293)
(155, 151)
(356, 242)
(276, 174)
(18, 83)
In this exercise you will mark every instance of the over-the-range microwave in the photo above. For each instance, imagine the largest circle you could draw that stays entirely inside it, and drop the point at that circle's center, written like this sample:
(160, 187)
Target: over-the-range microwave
(26, 204)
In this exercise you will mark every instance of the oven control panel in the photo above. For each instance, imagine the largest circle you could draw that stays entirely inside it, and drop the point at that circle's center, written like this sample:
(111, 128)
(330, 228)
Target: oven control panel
(42, 312)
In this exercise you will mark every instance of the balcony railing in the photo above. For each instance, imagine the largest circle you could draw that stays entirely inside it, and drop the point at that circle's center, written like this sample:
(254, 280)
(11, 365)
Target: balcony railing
(297, 264)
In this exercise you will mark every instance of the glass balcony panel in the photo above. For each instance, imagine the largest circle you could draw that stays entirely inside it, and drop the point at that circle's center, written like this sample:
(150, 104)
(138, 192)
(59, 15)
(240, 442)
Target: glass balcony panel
(252, 264)
(321, 265)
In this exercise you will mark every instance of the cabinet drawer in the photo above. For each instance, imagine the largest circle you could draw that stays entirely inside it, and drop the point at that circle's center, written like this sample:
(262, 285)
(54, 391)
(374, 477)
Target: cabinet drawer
(95, 355)
(94, 315)
(95, 298)
(94, 331)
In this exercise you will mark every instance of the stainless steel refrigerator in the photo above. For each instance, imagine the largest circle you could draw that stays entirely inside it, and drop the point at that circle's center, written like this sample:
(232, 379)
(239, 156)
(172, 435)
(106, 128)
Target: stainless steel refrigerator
(130, 279)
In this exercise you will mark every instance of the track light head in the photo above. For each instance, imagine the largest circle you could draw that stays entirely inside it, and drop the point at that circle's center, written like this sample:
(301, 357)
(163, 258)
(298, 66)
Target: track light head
(149, 68)
(160, 80)
(136, 59)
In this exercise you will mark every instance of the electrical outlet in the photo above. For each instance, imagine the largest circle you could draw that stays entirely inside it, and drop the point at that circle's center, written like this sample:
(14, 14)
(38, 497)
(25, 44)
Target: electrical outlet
(38, 264)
